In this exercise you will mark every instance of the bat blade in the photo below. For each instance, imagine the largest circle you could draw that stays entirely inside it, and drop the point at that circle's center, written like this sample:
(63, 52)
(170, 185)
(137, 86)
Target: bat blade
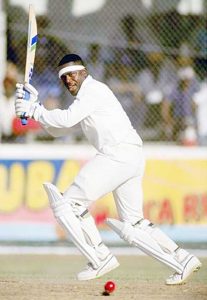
(31, 47)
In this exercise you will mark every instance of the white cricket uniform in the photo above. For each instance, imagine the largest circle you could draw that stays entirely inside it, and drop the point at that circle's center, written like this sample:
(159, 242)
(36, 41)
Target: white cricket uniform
(118, 165)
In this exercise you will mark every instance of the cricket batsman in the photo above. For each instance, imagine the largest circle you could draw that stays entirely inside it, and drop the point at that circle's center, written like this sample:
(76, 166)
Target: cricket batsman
(117, 167)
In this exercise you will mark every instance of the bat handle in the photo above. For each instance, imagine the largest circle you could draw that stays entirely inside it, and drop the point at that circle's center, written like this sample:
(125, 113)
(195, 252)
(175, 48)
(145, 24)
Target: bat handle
(23, 118)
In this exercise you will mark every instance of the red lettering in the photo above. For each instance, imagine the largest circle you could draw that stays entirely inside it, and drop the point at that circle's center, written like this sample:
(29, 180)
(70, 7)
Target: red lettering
(190, 204)
(151, 209)
(166, 213)
(204, 204)
(147, 209)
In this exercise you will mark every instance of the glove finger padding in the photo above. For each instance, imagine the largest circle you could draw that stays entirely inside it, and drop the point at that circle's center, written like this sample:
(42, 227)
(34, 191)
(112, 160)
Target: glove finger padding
(19, 86)
(25, 107)
(26, 92)
(19, 94)
(19, 90)
(30, 89)
(19, 107)
(18, 102)
(23, 93)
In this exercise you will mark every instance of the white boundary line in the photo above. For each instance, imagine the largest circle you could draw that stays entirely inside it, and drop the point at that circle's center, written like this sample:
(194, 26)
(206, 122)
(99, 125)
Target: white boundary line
(45, 250)
(85, 151)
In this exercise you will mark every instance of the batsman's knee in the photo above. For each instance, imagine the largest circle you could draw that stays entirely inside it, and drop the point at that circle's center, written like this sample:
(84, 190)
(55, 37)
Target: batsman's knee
(61, 204)
(56, 200)
(144, 224)
(79, 210)
(127, 231)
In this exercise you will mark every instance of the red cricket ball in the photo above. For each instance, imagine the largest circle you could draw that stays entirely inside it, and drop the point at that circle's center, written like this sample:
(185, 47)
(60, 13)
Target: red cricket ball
(109, 287)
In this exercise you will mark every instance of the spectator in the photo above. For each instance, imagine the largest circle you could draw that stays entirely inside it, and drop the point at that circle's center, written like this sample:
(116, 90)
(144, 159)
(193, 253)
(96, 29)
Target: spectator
(185, 56)
(95, 63)
(200, 46)
(7, 112)
(14, 36)
(127, 42)
(200, 100)
(132, 47)
(127, 91)
(177, 109)
(155, 83)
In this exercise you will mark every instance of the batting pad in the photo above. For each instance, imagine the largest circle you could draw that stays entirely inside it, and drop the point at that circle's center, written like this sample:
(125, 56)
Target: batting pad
(67, 219)
(142, 240)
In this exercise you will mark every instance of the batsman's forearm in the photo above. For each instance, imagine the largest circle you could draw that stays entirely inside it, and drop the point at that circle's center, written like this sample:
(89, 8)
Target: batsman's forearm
(57, 132)
(57, 118)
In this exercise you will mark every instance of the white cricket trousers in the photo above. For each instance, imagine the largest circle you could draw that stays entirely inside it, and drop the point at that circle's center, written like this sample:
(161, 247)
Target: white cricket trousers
(119, 172)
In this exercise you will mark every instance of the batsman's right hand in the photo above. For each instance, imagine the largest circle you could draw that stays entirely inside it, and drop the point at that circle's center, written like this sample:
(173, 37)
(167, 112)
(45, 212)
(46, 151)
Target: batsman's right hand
(26, 92)
(26, 100)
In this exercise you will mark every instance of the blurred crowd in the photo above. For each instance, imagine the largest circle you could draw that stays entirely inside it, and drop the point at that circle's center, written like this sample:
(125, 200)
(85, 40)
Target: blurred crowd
(163, 93)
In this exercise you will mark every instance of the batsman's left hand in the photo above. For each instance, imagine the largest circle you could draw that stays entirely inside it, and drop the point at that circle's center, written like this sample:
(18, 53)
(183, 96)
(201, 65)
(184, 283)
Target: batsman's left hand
(26, 100)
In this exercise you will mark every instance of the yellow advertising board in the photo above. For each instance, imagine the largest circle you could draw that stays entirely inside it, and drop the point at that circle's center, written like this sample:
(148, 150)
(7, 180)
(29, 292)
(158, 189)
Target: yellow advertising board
(175, 186)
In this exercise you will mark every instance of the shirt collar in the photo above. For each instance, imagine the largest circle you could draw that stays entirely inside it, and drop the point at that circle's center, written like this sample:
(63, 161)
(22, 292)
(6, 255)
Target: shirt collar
(84, 83)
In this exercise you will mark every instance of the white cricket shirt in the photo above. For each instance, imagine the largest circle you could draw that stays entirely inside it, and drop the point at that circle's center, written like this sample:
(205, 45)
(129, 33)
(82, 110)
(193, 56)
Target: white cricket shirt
(102, 118)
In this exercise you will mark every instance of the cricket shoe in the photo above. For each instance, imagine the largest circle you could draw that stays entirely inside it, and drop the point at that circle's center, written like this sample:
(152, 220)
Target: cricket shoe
(191, 264)
(108, 264)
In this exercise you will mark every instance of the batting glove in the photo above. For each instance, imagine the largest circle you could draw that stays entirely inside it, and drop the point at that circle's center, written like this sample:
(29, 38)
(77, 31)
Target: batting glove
(26, 100)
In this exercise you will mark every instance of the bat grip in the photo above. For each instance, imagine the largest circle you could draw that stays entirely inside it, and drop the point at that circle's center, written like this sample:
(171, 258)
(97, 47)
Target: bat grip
(23, 118)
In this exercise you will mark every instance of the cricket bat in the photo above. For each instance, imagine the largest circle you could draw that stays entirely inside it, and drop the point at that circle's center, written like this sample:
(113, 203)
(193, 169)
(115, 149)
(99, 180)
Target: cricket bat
(30, 56)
